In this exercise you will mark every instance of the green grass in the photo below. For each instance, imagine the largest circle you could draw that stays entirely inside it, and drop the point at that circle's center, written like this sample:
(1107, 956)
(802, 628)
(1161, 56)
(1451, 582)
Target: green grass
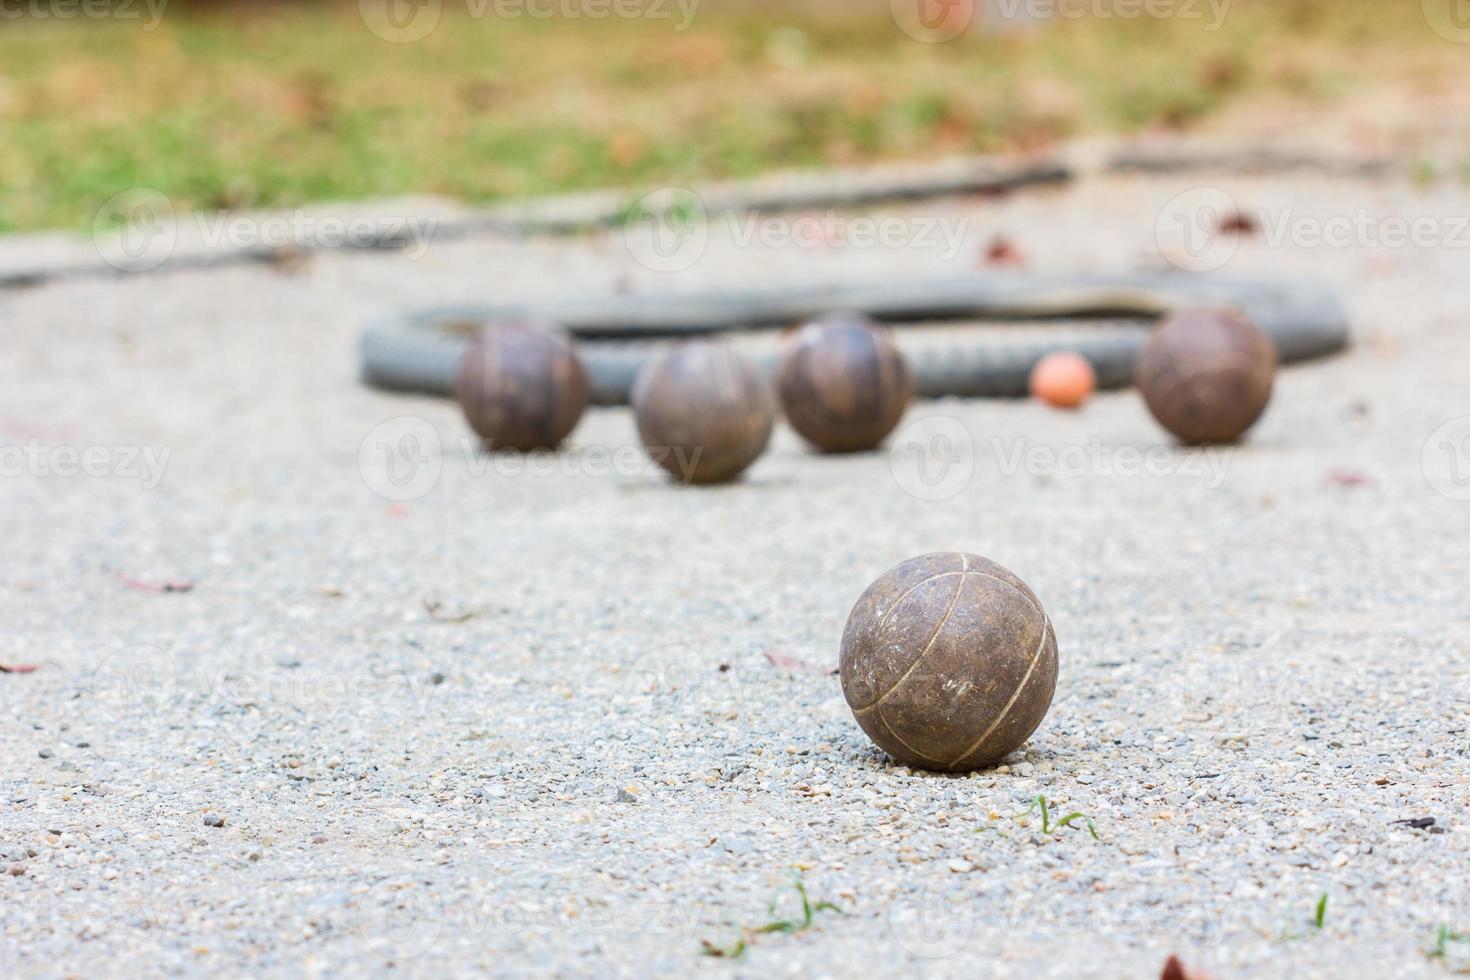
(748, 934)
(1049, 828)
(1450, 948)
(1318, 922)
(284, 105)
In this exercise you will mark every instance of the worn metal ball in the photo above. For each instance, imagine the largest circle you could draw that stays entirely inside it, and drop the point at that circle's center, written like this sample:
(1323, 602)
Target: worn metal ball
(949, 662)
(704, 411)
(522, 386)
(843, 383)
(1207, 374)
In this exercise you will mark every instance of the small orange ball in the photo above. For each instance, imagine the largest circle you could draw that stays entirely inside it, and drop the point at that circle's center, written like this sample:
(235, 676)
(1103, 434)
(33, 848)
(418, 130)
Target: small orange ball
(1063, 379)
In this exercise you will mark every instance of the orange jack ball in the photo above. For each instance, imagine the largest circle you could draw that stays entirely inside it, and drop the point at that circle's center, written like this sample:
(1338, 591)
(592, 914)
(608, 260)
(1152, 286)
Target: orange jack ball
(1063, 380)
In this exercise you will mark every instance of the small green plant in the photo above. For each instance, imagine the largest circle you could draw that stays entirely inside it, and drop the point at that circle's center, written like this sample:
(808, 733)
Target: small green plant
(1319, 922)
(1066, 821)
(1053, 829)
(809, 910)
(1049, 828)
(1424, 173)
(1455, 960)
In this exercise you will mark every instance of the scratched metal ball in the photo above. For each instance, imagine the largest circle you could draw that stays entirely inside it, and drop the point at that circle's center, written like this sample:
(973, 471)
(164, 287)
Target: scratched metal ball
(704, 411)
(949, 662)
(844, 386)
(1206, 374)
(522, 386)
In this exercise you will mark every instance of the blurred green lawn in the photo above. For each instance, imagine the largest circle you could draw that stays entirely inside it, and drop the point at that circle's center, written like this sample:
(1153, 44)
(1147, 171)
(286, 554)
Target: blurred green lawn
(282, 105)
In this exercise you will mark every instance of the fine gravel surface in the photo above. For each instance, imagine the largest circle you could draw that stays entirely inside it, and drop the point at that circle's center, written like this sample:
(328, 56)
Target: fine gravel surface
(321, 690)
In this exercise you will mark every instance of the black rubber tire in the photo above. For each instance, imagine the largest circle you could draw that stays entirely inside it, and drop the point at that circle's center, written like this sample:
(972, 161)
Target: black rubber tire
(421, 352)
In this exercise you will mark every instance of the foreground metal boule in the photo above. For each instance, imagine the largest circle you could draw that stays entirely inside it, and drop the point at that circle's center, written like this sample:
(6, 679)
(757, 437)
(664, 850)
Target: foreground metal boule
(522, 386)
(844, 385)
(1207, 374)
(949, 662)
(704, 411)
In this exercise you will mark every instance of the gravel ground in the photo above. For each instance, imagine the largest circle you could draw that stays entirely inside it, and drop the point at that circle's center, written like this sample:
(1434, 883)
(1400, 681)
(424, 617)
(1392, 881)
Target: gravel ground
(570, 719)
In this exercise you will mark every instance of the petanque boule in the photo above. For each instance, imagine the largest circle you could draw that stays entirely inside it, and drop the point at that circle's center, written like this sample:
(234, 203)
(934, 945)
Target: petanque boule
(949, 662)
(844, 385)
(704, 411)
(522, 386)
(1207, 375)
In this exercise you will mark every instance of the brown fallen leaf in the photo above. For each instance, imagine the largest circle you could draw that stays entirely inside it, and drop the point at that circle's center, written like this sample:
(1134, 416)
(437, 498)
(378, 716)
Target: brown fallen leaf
(1349, 478)
(18, 668)
(785, 661)
(1002, 252)
(1174, 970)
(1240, 224)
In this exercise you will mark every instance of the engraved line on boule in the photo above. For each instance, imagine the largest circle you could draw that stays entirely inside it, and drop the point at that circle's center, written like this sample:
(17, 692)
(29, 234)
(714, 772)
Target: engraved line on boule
(934, 578)
(939, 628)
(1014, 588)
(1035, 659)
(964, 567)
(898, 738)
